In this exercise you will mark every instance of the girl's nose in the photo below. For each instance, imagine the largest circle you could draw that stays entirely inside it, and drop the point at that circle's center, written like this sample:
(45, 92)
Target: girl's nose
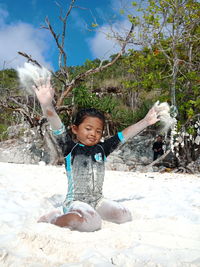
(93, 133)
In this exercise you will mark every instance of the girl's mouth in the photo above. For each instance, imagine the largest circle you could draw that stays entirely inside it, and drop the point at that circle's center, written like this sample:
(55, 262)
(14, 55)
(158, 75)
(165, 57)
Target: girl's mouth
(92, 140)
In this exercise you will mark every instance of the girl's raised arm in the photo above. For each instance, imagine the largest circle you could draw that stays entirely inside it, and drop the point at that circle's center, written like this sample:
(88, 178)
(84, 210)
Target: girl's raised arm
(45, 95)
(149, 119)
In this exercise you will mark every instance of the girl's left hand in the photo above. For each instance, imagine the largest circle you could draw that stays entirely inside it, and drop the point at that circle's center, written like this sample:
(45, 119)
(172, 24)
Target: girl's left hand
(151, 117)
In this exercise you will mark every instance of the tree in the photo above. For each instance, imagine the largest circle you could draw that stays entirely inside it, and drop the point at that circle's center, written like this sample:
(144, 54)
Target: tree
(170, 30)
(171, 27)
(146, 79)
(65, 79)
(63, 75)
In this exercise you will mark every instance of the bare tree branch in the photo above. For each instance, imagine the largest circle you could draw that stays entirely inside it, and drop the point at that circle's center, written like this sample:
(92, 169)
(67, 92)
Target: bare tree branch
(60, 47)
(29, 58)
(63, 74)
(95, 70)
(62, 60)
(18, 109)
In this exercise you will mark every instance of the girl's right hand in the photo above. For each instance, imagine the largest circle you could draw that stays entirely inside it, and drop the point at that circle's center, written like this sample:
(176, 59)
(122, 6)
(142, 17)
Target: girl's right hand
(44, 92)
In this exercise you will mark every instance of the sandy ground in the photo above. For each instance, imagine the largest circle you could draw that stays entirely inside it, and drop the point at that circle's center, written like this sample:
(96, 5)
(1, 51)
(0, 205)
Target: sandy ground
(165, 230)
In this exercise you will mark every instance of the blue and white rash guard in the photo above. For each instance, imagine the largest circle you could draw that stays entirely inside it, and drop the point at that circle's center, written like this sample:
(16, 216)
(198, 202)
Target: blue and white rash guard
(85, 167)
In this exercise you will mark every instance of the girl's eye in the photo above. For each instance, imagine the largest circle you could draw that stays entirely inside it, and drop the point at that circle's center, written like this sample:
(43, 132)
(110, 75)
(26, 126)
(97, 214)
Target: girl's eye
(88, 129)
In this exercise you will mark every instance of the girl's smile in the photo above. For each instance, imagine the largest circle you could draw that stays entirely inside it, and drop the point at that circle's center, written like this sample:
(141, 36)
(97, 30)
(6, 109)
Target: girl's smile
(89, 132)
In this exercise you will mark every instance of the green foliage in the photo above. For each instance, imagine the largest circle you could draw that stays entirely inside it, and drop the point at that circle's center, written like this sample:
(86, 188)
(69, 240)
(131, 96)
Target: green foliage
(5, 121)
(121, 115)
(8, 79)
(121, 12)
(148, 73)
(168, 60)
(94, 25)
(3, 132)
(83, 98)
(134, 4)
(172, 60)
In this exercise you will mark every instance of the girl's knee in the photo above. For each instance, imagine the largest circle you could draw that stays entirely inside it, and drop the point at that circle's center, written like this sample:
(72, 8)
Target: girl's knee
(114, 212)
(119, 216)
(92, 222)
(122, 216)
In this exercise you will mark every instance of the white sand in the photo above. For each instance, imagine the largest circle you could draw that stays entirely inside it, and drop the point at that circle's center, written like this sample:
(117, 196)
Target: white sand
(165, 230)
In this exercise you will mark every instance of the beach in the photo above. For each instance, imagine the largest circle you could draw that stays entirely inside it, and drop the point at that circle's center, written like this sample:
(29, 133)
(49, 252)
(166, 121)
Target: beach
(165, 230)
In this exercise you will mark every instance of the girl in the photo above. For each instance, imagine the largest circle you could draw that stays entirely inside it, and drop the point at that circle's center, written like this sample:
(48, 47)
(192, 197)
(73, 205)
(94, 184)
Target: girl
(85, 206)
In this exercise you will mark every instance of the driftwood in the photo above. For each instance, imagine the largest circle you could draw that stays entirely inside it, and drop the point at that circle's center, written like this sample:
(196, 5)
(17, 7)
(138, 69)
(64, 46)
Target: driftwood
(159, 159)
(174, 168)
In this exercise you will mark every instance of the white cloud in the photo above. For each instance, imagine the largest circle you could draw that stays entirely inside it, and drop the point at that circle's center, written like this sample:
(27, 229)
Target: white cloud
(3, 15)
(20, 36)
(102, 46)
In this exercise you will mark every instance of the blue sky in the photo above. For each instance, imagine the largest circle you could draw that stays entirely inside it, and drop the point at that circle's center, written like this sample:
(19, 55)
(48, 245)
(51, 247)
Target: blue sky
(20, 23)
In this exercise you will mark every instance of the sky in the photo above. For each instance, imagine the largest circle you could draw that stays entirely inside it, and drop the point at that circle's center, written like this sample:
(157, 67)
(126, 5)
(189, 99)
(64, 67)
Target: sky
(20, 30)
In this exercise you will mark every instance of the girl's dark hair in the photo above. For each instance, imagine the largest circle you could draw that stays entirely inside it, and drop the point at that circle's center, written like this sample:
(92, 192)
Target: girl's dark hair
(87, 112)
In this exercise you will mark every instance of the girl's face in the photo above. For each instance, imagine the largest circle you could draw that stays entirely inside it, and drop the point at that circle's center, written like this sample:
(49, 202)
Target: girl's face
(89, 132)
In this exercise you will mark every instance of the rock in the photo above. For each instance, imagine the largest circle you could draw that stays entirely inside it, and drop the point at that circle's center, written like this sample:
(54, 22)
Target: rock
(26, 146)
(16, 151)
(113, 166)
(134, 154)
(194, 166)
